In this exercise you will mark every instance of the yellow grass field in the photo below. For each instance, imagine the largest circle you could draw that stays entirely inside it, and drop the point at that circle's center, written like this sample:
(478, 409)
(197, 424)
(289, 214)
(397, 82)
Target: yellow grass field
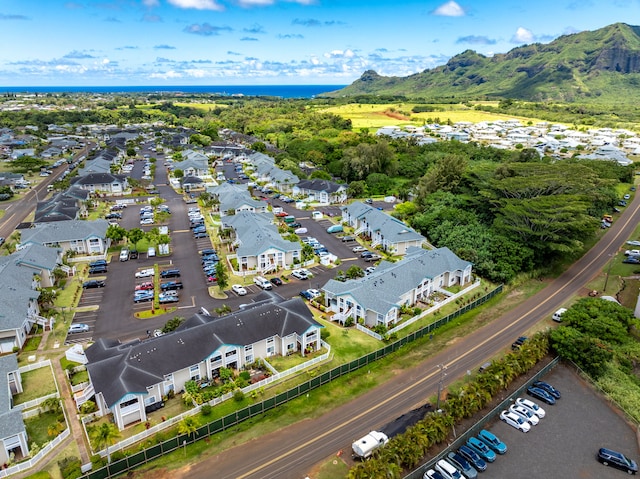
(379, 115)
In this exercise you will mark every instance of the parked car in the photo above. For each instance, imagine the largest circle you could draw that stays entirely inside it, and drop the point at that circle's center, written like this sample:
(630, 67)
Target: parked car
(208, 251)
(537, 410)
(372, 257)
(170, 273)
(481, 449)
(296, 273)
(432, 474)
(306, 294)
(608, 457)
(171, 286)
(93, 283)
(541, 394)
(113, 216)
(366, 254)
(202, 234)
(447, 470)
(239, 290)
(528, 416)
(145, 273)
(549, 388)
(168, 298)
(146, 221)
(98, 262)
(632, 252)
(627, 196)
(462, 465)
(78, 328)
(147, 285)
(515, 421)
(276, 281)
(98, 269)
(471, 456)
(631, 260)
(344, 239)
(491, 440)
(143, 296)
(517, 344)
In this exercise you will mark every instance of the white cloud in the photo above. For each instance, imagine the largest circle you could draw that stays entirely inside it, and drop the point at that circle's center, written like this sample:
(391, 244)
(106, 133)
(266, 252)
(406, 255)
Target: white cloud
(339, 54)
(523, 35)
(197, 4)
(449, 9)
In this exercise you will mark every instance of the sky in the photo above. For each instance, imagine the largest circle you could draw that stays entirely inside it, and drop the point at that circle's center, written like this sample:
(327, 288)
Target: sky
(270, 42)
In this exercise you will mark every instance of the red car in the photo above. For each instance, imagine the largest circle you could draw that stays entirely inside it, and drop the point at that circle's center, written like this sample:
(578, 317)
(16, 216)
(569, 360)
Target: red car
(144, 286)
(282, 214)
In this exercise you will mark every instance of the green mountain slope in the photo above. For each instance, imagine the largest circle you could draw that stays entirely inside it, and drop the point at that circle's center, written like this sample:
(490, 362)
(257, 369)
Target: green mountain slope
(600, 65)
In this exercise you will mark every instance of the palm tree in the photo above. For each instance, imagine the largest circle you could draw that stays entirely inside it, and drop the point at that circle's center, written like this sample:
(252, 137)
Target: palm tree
(104, 435)
(188, 426)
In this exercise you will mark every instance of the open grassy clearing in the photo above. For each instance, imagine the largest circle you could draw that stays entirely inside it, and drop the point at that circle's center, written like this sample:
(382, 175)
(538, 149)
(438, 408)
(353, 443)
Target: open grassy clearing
(36, 383)
(374, 116)
(38, 427)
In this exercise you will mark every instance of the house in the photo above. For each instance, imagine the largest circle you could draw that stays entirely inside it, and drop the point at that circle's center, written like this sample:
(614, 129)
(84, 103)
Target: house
(82, 237)
(62, 206)
(101, 183)
(13, 435)
(266, 171)
(259, 246)
(193, 164)
(378, 297)
(322, 191)
(234, 198)
(22, 273)
(129, 378)
(390, 233)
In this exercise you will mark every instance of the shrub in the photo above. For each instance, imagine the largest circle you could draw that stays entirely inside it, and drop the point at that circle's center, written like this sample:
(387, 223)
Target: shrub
(206, 410)
(238, 396)
(88, 407)
(245, 375)
(70, 467)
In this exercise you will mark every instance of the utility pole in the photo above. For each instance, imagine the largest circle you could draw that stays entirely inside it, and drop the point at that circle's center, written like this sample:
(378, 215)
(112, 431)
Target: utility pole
(606, 279)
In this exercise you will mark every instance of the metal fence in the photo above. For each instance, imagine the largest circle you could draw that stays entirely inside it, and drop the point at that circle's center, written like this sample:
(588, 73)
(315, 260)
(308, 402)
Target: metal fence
(477, 427)
(219, 425)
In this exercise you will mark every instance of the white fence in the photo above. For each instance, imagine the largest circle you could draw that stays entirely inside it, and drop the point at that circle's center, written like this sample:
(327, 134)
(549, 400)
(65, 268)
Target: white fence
(373, 334)
(31, 367)
(434, 308)
(174, 420)
(23, 466)
(35, 402)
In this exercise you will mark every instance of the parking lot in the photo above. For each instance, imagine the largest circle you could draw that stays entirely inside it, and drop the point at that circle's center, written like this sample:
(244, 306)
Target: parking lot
(565, 442)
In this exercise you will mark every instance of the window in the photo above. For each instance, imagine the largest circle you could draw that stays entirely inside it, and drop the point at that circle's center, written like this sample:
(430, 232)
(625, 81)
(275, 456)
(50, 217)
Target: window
(290, 346)
(194, 372)
(230, 353)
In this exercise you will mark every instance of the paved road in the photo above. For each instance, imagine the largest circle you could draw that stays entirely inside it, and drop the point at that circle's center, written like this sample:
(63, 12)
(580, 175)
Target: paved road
(292, 451)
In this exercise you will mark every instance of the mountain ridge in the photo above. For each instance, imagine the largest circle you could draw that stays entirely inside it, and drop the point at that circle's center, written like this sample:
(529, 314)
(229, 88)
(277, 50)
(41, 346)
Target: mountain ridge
(598, 64)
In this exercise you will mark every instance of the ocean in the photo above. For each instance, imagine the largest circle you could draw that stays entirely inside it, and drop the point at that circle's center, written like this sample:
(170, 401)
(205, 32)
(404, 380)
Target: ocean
(282, 91)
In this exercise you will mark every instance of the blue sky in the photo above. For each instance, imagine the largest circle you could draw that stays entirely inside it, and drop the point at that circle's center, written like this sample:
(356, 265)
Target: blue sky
(270, 42)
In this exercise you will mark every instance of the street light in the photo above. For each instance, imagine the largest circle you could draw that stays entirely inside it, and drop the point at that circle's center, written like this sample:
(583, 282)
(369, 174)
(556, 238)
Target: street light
(442, 369)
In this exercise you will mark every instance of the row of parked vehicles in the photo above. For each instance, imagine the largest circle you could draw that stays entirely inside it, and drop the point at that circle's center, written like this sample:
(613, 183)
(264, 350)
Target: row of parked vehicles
(169, 290)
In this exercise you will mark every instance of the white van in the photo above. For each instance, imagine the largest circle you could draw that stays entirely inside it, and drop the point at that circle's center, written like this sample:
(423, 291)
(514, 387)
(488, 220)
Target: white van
(124, 255)
(447, 470)
(557, 316)
(151, 252)
(262, 282)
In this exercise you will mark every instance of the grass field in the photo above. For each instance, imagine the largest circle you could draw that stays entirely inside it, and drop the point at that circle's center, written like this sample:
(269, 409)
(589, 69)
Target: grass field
(379, 115)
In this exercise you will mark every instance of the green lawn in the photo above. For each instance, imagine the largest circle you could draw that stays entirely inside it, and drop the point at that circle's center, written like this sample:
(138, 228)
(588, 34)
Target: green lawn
(37, 428)
(36, 383)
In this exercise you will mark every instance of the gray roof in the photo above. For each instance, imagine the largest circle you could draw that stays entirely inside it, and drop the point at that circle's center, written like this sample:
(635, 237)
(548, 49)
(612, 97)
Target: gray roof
(16, 287)
(10, 420)
(320, 185)
(257, 233)
(392, 229)
(99, 179)
(382, 290)
(119, 369)
(59, 231)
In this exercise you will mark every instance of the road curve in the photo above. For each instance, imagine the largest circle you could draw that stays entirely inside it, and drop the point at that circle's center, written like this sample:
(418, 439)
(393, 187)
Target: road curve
(293, 450)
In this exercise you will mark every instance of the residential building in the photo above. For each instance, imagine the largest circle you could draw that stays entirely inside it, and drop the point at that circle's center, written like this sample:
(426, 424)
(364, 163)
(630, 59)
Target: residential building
(322, 191)
(13, 435)
(82, 237)
(259, 246)
(378, 297)
(101, 183)
(130, 378)
(234, 198)
(383, 230)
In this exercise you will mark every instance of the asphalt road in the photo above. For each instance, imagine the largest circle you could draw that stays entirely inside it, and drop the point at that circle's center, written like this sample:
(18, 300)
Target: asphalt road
(292, 451)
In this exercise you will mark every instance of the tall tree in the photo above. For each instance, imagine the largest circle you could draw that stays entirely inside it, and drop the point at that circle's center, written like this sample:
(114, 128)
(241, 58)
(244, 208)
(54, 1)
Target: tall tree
(104, 435)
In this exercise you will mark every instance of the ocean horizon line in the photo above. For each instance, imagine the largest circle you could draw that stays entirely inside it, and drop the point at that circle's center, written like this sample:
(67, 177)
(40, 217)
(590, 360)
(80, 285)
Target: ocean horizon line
(284, 91)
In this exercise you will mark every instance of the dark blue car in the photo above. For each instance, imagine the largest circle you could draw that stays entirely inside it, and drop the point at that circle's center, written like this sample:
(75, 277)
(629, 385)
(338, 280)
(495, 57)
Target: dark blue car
(473, 458)
(548, 387)
(541, 394)
(462, 465)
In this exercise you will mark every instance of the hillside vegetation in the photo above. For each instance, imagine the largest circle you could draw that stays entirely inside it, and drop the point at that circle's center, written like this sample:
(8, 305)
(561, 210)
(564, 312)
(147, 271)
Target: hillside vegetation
(601, 65)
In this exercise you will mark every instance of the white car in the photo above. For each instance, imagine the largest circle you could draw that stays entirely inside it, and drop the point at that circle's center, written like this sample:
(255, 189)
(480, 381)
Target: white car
(314, 292)
(239, 290)
(299, 274)
(359, 249)
(145, 273)
(370, 270)
(632, 252)
(78, 328)
(307, 272)
(514, 420)
(528, 416)
(533, 407)
(146, 221)
(633, 243)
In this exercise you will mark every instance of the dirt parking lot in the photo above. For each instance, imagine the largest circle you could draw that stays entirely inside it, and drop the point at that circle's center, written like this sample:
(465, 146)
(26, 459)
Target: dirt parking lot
(565, 443)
